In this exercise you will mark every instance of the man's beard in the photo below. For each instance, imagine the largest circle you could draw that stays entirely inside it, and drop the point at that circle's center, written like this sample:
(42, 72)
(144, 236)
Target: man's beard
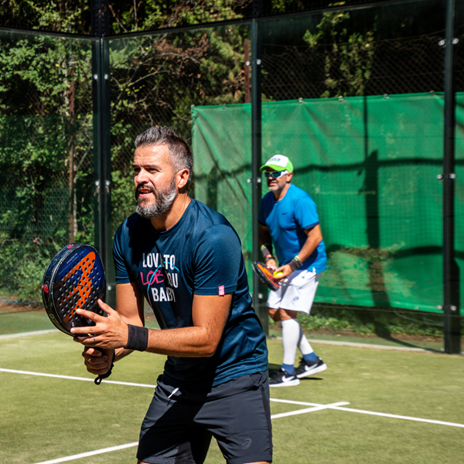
(275, 187)
(162, 204)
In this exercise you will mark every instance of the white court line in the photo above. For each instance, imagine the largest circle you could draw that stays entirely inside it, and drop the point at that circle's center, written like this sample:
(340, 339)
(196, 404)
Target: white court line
(129, 445)
(67, 377)
(90, 453)
(314, 407)
(394, 416)
(304, 411)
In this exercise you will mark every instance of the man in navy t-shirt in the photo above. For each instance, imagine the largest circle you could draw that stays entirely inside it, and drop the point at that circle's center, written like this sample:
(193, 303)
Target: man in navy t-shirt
(289, 221)
(186, 261)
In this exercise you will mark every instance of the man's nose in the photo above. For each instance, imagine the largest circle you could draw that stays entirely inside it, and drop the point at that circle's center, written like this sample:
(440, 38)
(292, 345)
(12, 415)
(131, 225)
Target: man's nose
(141, 177)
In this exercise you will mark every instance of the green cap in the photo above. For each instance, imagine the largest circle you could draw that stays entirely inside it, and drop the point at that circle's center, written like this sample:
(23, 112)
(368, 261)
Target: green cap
(278, 163)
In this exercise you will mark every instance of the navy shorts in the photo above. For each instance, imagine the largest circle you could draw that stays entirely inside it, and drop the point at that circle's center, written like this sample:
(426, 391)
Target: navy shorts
(180, 423)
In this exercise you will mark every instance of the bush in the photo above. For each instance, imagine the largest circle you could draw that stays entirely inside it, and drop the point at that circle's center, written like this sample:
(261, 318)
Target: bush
(383, 322)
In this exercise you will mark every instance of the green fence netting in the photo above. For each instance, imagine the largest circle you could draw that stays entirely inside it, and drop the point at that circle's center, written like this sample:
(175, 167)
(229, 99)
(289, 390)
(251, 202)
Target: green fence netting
(371, 165)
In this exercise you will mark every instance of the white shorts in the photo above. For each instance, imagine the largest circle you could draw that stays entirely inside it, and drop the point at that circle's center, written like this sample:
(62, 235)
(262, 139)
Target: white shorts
(296, 292)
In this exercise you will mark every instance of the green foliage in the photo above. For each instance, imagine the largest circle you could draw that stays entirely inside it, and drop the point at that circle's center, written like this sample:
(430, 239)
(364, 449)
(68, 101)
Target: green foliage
(46, 175)
(46, 124)
(58, 16)
(153, 14)
(348, 56)
(157, 78)
(332, 319)
(23, 266)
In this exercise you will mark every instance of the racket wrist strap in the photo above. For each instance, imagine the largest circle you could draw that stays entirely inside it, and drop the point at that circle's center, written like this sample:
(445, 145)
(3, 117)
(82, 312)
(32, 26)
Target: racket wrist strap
(138, 338)
(295, 263)
(98, 380)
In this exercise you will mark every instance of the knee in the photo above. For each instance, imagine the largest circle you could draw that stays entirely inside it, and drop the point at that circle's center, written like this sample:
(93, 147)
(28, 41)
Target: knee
(286, 314)
(274, 314)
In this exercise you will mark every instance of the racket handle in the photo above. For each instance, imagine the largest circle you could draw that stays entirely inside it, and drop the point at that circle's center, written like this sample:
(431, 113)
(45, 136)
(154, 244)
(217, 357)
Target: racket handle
(98, 380)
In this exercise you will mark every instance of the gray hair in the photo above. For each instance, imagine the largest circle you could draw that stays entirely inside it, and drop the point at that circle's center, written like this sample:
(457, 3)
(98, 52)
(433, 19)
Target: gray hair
(181, 154)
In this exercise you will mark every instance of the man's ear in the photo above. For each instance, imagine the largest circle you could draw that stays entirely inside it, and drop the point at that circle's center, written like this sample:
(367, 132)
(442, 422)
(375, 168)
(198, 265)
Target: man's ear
(182, 178)
(289, 177)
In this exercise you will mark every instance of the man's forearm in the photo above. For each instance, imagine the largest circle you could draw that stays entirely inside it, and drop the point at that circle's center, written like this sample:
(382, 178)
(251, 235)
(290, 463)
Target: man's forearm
(265, 241)
(314, 237)
(186, 342)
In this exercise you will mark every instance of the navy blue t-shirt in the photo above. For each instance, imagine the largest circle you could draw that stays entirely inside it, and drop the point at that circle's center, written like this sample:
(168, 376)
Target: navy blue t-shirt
(201, 255)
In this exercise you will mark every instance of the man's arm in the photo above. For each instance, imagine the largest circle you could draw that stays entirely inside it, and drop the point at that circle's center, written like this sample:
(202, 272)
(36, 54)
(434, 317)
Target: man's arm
(209, 316)
(265, 238)
(313, 238)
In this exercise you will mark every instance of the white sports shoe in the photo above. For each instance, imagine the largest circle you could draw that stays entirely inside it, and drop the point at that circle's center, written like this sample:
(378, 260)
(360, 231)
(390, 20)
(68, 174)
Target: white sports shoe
(306, 368)
(283, 379)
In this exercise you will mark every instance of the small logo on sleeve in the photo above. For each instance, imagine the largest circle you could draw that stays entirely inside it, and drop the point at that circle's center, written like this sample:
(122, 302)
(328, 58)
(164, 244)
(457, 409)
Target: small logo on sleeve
(221, 290)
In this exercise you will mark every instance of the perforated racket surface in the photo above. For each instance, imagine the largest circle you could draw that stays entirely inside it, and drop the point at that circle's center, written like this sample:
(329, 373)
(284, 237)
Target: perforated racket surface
(265, 275)
(74, 279)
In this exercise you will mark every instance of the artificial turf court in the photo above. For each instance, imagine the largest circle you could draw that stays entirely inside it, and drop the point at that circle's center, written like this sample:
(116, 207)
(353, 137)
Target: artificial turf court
(370, 406)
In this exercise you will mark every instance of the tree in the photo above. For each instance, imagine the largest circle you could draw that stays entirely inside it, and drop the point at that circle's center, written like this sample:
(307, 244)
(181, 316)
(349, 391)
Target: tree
(46, 152)
(347, 56)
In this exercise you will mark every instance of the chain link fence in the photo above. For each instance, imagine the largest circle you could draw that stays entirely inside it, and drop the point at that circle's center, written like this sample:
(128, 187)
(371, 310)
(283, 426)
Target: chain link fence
(155, 81)
(46, 155)
(47, 194)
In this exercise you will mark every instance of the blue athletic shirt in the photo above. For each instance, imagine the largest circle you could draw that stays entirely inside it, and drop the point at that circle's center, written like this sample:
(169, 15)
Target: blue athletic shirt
(201, 255)
(287, 220)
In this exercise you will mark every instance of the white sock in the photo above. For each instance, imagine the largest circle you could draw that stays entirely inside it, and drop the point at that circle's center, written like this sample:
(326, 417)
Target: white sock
(290, 339)
(303, 344)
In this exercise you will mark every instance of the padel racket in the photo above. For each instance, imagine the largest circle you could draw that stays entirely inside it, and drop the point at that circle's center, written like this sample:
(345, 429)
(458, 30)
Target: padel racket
(265, 275)
(74, 279)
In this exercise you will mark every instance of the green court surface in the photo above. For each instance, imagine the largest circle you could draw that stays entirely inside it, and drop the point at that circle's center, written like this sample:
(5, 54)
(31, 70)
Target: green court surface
(369, 406)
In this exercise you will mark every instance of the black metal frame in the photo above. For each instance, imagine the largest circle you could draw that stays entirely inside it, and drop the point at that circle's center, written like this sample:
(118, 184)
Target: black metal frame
(102, 152)
(451, 297)
(451, 300)
(259, 290)
(102, 140)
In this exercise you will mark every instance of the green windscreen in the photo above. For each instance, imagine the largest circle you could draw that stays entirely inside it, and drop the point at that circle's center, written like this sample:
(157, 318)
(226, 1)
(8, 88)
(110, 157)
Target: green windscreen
(371, 166)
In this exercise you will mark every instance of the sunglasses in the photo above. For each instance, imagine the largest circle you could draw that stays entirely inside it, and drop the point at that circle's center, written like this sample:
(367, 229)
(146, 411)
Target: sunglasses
(274, 174)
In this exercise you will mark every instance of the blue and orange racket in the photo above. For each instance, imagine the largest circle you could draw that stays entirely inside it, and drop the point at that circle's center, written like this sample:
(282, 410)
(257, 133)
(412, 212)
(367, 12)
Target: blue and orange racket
(74, 279)
(265, 275)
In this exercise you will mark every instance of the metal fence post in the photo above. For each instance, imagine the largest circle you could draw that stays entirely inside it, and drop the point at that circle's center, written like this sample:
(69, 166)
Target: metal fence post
(259, 293)
(451, 298)
(102, 140)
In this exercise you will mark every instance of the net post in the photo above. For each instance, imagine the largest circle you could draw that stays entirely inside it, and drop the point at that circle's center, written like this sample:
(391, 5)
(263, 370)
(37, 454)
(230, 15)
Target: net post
(259, 290)
(102, 140)
(451, 299)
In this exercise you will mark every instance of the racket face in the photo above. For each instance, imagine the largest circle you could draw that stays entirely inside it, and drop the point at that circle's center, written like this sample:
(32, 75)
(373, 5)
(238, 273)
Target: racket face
(75, 279)
(265, 275)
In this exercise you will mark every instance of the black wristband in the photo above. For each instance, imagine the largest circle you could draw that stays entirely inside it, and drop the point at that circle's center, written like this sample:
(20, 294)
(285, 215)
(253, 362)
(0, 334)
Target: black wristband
(266, 249)
(138, 338)
(295, 263)
(267, 259)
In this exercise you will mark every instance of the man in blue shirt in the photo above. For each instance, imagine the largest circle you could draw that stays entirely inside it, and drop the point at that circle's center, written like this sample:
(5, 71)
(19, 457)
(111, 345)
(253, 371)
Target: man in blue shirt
(289, 221)
(185, 260)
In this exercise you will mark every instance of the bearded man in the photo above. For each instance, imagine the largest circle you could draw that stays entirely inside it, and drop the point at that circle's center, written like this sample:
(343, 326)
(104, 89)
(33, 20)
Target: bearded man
(186, 261)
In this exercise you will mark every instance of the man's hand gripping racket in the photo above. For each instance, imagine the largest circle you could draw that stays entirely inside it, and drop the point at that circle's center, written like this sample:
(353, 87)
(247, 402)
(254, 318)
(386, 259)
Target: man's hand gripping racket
(74, 279)
(265, 275)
